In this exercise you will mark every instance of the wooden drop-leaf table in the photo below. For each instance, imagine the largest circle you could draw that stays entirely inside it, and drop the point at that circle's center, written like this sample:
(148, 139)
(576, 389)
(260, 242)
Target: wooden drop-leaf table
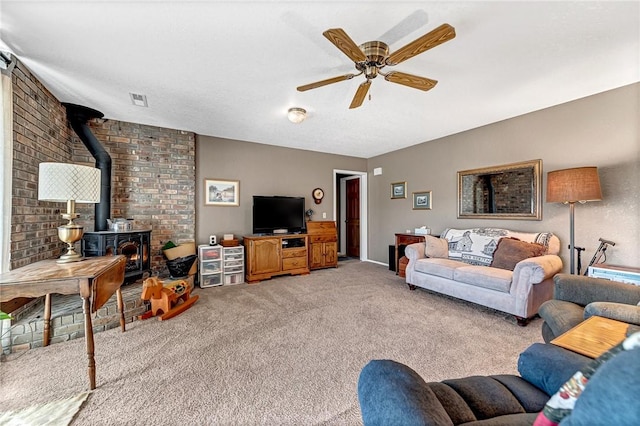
(95, 279)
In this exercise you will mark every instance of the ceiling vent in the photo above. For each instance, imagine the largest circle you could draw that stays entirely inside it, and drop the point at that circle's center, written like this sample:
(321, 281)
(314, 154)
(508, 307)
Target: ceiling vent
(139, 100)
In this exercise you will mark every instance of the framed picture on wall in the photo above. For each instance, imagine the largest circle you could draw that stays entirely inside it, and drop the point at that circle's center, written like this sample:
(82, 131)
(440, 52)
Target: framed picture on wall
(398, 190)
(219, 192)
(422, 200)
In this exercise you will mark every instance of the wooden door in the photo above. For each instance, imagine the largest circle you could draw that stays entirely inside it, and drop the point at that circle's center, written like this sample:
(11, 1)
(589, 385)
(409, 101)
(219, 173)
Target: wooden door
(353, 217)
(265, 256)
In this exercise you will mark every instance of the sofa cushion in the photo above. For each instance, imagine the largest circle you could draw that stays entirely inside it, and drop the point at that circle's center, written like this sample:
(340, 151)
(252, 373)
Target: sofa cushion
(510, 251)
(550, 242)
(439, 267)
(436, 247)
(484, 276)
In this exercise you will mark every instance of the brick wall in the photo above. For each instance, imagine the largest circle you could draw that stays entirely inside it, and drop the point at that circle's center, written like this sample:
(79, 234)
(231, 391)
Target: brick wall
(40, 133)
(153, 180)
(153, 175)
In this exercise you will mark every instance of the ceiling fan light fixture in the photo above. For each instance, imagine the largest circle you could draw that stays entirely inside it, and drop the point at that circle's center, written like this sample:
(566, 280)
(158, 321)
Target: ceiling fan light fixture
(369, 58)
(296, 115)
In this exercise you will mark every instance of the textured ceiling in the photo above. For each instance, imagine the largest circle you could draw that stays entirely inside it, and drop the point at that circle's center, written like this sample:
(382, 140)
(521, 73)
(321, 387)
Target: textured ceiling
(230, 69)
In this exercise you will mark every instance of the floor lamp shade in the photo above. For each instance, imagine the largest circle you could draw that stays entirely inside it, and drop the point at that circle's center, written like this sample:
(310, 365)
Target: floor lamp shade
(571, 186)
(70, 183)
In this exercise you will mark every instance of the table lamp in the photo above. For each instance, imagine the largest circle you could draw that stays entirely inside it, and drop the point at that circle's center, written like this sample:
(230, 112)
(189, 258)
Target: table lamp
(70, 183)
(569, 186)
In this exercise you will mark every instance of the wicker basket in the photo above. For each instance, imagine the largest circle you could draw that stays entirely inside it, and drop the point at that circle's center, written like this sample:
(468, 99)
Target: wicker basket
(184, 249)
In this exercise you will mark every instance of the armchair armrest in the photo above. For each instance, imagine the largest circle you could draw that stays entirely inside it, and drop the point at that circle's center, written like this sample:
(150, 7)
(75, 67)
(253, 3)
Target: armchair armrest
(584, 290)
(616, 311)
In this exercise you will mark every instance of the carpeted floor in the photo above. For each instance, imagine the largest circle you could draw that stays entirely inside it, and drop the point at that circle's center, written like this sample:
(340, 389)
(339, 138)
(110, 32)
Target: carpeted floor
(287, 351)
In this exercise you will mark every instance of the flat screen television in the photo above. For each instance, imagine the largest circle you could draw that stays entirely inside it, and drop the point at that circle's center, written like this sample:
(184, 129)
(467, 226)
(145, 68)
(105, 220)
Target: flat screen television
(278, 213)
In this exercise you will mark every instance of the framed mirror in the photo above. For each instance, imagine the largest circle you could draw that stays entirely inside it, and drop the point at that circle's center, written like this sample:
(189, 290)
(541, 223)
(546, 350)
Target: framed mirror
(511, 191)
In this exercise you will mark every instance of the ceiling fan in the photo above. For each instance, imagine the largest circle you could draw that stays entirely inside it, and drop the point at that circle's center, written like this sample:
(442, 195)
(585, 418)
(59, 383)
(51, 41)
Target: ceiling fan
(372, 56)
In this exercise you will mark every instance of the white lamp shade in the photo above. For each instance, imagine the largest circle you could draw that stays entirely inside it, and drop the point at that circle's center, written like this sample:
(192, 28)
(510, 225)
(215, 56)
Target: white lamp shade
(64, 182)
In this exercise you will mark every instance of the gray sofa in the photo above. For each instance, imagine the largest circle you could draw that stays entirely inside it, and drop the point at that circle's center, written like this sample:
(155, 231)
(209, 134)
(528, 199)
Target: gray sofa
(478, 266)
(577, 298)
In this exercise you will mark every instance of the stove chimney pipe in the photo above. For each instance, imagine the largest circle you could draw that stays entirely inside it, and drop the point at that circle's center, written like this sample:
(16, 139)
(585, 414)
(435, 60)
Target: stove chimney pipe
(78, 117)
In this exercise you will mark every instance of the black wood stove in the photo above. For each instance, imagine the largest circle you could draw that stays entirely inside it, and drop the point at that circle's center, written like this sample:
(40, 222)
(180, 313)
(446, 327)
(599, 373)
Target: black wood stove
(135, 245)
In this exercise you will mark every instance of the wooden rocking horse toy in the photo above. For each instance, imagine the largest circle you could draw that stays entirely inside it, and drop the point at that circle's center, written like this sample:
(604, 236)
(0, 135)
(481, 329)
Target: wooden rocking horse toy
(167, 299)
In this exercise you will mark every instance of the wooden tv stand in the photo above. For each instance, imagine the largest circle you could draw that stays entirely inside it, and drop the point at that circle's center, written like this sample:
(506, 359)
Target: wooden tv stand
(272, 255)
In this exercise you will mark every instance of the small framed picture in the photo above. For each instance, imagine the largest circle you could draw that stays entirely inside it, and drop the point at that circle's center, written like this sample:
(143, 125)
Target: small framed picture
(398, 190)
(422, 200)
(219, 192)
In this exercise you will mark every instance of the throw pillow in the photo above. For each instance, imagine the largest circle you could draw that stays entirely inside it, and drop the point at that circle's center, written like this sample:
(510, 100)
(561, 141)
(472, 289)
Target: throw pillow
(562, 403)
(510, 251)
(436, 247)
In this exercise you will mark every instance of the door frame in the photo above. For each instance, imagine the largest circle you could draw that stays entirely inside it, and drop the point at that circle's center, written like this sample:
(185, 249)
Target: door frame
(363, 205)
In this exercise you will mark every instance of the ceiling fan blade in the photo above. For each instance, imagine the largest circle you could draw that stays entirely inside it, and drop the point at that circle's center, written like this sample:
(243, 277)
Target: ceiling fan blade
(444, 32)
(414, 81)
(361, 93)
(342, 41)
(325, 82)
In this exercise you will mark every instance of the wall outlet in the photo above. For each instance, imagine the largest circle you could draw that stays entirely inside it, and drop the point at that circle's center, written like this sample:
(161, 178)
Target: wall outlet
(324, 215)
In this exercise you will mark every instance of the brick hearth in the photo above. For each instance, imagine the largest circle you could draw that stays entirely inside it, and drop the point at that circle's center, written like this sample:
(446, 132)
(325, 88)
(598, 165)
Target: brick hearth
(67, 319)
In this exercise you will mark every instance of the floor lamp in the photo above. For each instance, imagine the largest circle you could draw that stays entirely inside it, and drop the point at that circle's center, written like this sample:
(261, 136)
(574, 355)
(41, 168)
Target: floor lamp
(569, 186)
(70, 183)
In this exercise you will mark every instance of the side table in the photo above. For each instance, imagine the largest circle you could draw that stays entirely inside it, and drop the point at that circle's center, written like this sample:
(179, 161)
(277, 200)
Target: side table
(403, 240)
(94, 278)
(593, 337)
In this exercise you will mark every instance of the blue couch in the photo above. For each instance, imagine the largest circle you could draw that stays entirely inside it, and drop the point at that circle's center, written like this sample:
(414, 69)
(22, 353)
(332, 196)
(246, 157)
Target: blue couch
(390, 393)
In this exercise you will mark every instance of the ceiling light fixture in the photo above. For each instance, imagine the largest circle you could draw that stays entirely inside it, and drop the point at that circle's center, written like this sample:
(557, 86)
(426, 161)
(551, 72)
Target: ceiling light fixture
(296, 115)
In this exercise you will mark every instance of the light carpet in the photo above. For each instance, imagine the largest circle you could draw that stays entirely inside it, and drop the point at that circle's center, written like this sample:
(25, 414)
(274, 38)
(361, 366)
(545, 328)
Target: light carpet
(287, 351)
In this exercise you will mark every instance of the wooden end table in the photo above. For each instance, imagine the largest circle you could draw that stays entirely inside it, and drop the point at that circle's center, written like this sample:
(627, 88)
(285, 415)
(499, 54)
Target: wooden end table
(593, 337)
(403, 240)
(94, 278)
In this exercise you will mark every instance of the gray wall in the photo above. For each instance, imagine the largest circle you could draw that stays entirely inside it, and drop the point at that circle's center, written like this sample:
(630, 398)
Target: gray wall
(601, 130)
(261, 170)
